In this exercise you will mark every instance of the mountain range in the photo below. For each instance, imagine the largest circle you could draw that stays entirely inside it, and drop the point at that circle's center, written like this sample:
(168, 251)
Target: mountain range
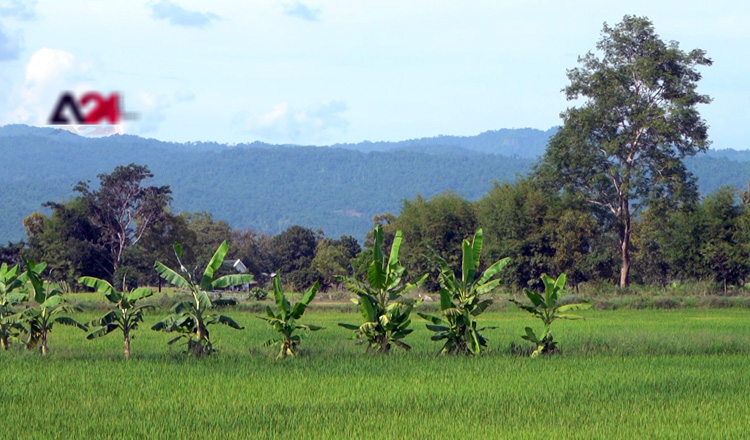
(268, 188)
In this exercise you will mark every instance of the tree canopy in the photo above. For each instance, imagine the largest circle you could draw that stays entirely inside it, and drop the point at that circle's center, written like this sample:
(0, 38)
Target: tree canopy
(624, 145)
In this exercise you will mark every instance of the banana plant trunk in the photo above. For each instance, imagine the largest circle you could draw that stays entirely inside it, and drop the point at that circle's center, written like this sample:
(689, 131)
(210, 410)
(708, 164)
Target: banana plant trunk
(127, 345)
(44, 349)
(4, 341)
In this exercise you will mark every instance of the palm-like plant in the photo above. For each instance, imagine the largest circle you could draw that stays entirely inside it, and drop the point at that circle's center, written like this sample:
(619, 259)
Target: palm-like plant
(284, 320)
(192, 318)
(11, 293)
(461, 303)
(547, 307)
(125, 317)
(38, 321)
(385, 312)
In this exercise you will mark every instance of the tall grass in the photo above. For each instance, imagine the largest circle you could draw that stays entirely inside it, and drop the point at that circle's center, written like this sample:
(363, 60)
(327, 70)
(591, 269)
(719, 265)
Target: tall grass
(623, 374)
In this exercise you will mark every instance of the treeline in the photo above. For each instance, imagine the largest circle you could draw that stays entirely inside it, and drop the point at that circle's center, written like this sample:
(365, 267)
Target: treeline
(117, 232)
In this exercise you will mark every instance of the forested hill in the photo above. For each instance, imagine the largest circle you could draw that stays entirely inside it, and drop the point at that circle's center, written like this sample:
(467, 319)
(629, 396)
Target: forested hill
(269, 188)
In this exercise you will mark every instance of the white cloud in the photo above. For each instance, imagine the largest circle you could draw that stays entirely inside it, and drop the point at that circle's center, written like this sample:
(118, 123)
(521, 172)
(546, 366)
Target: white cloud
(179, 16)
(22, 9)
(301, 10)
(284, 123)
(48, 73)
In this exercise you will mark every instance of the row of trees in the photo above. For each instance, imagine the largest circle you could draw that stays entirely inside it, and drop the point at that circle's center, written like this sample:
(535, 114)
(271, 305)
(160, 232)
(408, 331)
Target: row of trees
(546, 231)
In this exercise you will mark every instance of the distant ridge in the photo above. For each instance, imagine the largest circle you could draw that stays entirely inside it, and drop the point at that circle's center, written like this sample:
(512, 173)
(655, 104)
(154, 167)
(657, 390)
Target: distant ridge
(270, 187)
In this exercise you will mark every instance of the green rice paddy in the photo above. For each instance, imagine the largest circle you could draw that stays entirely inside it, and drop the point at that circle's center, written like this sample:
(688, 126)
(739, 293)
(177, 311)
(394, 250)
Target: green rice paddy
(623, 374)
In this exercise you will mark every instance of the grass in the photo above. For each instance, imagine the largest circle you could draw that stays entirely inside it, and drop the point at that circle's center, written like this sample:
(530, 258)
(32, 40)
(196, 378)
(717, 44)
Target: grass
(624, 374)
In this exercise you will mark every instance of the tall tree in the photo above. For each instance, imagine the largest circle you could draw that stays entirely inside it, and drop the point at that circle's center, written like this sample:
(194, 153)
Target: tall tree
(124, 209)
(624, 145)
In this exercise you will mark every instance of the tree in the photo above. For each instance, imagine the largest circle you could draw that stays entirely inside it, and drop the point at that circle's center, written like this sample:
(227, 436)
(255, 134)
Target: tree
(66, 240)
(39, 320)
(11, 293)
(460, 300)
(624, 145)
(435, 225)
(293, 253)
(548, 308)
(192, 318)
(123, 209)
(724, 243)
(126, 317)
(386, 312)
(285, 319)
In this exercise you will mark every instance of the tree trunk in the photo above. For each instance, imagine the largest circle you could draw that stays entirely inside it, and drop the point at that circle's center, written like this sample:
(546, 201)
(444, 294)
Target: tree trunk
(127, 346)
(44, 349)
(4, 341)
(625, 269)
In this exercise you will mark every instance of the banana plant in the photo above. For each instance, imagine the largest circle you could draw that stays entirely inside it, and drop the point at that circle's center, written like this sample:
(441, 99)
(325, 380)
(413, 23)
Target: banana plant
(192, 318)
(386, 313)
(11, 293)
(460, 300)
(547, 307)
(37, 322)
(127, 315)
(284, 320)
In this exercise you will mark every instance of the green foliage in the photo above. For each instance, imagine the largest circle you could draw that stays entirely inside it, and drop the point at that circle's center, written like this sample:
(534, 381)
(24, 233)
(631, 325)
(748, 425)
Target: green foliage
(284, 320)
(127, 314)
(435, 225)
(123, 210)
(258, 293)
(460, 300)
(623, 147)
(386, 314)
(293, 254)
(192, 318)
(548, 308)
(12, 292)
(38, 321)
(543, 231)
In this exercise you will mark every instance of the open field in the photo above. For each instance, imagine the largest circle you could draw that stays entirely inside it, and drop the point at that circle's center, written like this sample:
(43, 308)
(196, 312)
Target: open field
(624, 374)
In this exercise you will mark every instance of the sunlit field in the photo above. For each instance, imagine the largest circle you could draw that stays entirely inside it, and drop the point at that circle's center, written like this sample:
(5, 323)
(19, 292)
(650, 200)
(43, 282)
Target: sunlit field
(623, 374)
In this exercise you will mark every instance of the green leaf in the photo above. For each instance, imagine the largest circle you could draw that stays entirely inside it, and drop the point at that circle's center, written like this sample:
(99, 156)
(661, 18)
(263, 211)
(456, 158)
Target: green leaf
(368, 312)
(97, 284)
(481, 307)
(299, 308)
(231, 280)
(476, 251)
(579, 306)
(438, 328)
(348, 326)
(171, 276)
(446, 299)
(431, 318)
(65, 320)
(493, 270)
(53, 301)
(395, 247)
(214, 265)
(140, 293)
(281, 302)
(560, 283)
(102, 331)
(467, 267)
(226, 320)
(178, 251)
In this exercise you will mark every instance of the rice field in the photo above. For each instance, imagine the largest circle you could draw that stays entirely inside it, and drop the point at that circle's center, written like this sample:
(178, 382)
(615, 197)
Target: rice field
(623, 374)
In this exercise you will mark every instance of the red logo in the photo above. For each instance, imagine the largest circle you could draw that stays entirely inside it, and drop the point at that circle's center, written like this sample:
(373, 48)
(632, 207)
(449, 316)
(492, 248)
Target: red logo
(91, 109)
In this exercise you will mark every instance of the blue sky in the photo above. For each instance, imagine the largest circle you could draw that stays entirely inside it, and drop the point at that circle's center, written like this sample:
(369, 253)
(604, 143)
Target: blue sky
(323, 72)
